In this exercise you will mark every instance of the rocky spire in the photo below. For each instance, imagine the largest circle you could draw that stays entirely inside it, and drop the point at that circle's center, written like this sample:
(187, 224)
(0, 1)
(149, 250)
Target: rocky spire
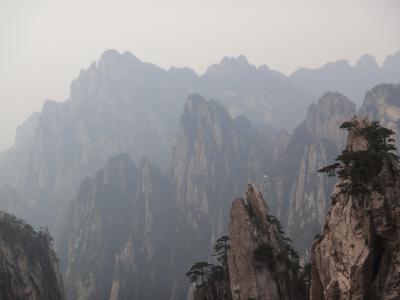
(358, 254)
(261, 264)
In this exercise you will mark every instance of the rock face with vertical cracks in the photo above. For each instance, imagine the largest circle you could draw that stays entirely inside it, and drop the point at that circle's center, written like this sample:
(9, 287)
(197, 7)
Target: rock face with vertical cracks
(297, 193)
(117, 244)
(28, 265)
(358, 255)
(250, 227)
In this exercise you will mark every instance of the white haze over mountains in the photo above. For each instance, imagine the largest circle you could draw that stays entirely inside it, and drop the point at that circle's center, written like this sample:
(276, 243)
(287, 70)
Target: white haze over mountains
(44, 44)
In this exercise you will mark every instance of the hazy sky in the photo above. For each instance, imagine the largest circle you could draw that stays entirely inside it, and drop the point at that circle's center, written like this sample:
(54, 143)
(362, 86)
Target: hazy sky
(44, 43)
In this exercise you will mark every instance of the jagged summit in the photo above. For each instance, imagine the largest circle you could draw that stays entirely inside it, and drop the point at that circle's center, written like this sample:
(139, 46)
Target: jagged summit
(112, 55)
(198, 106)
(324, 117)
(229, 64)
(196, 99)
(392, 60)
(366, 63)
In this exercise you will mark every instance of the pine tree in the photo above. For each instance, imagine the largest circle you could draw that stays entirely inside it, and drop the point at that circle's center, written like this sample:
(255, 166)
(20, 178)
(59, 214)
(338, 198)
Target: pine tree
(359, 169)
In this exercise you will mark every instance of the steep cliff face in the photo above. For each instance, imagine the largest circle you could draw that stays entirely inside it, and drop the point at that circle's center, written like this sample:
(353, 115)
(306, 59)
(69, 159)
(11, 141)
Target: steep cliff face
(123, 105)
(258, 259)
(357, 256)
(28, 265)
(118, 105)
(299, 194)
(212, 148)
(213, 159)
(382, 103)
(118, 239)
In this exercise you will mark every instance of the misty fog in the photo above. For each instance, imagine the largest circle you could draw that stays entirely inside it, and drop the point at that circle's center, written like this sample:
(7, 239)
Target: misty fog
(199, 150)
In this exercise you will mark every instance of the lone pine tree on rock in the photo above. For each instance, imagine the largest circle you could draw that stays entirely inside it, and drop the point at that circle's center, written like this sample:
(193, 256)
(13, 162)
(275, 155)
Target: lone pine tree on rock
(359, 169)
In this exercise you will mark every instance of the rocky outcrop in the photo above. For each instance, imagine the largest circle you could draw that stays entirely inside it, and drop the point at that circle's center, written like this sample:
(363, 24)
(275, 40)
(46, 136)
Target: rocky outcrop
(120, 232)
(299, 195)
(350, 80)
(29, 268)
(358, 254)
(258, 259)
(382, 103)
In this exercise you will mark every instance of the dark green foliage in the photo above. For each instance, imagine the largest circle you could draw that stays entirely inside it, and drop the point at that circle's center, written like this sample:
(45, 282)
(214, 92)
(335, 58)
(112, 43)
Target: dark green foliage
(273, 220)
(221, 248)
(211, 281)
(216, 273)
(359, 169)
(264, 254)
(281, 275)
(318, 236)
(199, 272)
(287, 254)
(304, 280)
(306, 276)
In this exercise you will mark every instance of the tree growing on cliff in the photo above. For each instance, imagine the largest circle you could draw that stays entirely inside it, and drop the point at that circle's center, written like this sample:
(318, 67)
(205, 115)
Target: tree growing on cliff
(221, 249)
(359, 169)
(198, 273)
(264, 254)
(211, 281)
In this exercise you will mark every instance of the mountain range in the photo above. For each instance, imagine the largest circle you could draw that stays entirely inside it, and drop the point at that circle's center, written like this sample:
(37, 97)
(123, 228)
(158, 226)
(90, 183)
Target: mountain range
(135, 173)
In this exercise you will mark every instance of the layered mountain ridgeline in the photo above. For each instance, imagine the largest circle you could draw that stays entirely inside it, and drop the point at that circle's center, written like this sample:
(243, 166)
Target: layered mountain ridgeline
(29, 268)
(215, 156)
(358, 254)
(118, 241)
(266, 97)
(133, 232)
(123, 105)
(119, 104)
(299, 195)
(257, 261)
(351, 81)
